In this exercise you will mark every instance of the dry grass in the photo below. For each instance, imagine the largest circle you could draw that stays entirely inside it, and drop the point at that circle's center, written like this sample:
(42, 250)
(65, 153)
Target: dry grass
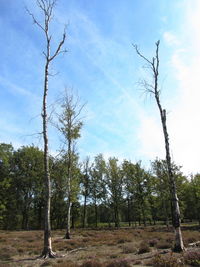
(97, 248)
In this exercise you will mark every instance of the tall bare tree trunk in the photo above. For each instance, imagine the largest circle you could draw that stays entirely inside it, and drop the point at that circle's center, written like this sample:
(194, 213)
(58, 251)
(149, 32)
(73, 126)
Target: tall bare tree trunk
(46, 7)
(176, 221)
(47, 250)
(153, 89)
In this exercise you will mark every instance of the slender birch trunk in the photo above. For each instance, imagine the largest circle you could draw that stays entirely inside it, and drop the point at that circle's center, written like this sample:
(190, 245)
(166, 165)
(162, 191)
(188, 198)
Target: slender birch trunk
(47, 250)
(70, 125)
(67, 235)
(153, 89)
(46, 7)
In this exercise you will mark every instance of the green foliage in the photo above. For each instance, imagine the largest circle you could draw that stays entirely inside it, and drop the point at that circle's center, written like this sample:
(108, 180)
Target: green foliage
(116, 193)
(114, 182)
(6, 152)
(191, 197)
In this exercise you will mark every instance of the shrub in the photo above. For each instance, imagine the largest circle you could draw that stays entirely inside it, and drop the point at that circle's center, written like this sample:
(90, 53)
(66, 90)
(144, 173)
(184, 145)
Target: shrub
(46, 263)
(170, 239)
(3, 265)
(121, 241)
(144, 248)
(167, 261)
(66, 264)
(129, 249)
(153, 242)
(192, 258)
(119, 263)
(137, 262)
(6, 253)
(20, 250)
(91, 263)
(163, 244)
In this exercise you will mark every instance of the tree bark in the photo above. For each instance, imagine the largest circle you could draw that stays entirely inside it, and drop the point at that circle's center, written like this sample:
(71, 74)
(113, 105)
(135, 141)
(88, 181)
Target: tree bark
(47, 250)
(129, 220)
(84, 210)
(67, 235)
(176, 221)
(96, 214)
(175, 204)
(69, 172)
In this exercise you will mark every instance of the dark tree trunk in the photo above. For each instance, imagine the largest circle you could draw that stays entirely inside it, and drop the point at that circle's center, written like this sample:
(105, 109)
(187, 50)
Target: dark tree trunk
(39, 217)
(116, 214)
(84, 210)
(144, 216)
(67, 235)
(129, 220)
(96, 214)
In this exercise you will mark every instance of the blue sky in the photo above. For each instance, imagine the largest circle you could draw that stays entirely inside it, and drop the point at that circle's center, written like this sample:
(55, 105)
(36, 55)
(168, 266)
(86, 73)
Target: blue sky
(102, 66)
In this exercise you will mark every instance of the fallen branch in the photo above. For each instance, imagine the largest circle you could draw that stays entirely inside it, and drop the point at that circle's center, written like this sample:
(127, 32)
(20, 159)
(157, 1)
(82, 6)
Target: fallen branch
(77, 249)
(195, 244)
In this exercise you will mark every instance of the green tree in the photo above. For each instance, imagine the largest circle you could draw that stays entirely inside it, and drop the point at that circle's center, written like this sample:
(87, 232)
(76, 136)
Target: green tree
(59, 206)
(27, 179)
(192, 198)
(6, 154)
(162, 188)
(70, 125)
(85, 187)
(159, 170)
(128, 170)
(97, 183)
(141, 193)
(137, 190)
(114, 182)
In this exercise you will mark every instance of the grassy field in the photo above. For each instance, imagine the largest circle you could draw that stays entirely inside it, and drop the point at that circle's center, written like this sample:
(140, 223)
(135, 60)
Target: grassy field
(150, 246)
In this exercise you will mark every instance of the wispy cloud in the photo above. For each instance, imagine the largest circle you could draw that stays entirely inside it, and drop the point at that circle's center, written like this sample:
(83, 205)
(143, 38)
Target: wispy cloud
(170, 38)
(15, 89)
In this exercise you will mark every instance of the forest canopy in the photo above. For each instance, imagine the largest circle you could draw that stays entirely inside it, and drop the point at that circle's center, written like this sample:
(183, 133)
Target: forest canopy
(104, 192)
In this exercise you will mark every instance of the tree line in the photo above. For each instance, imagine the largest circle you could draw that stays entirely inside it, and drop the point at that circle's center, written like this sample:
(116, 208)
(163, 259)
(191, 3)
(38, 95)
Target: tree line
(103, 192)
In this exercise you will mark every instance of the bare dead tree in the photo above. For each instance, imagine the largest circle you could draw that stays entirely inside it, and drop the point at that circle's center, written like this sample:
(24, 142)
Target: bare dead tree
(153, 88)
(46, 7)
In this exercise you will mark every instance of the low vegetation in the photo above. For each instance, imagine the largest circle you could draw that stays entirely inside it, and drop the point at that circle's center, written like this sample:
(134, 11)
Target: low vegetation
(150, 246)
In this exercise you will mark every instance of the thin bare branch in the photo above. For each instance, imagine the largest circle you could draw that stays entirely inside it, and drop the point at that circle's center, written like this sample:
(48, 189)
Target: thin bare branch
(34, 19)
(138, 52)
(58, 50)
